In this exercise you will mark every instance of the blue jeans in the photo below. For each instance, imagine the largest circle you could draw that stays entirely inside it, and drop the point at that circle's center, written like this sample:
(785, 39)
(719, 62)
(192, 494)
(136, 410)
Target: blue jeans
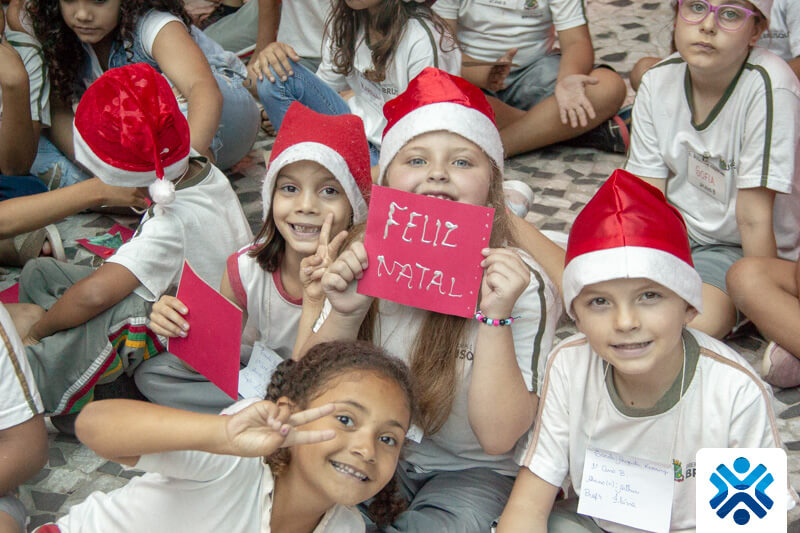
(239, 122)
(54, 168)
(304, 87)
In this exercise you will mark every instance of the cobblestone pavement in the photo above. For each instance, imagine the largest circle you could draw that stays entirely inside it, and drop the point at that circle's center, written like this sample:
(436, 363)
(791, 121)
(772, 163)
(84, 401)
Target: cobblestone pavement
(564, 179)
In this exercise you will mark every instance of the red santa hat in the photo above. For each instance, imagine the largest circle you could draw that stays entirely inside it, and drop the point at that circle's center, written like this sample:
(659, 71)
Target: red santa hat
(337, 142)
(628, 230)
(438, 101)
(128, 131)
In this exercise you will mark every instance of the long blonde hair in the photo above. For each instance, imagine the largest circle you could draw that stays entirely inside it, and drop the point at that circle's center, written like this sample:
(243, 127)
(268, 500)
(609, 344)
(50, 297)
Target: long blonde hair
(434, 353)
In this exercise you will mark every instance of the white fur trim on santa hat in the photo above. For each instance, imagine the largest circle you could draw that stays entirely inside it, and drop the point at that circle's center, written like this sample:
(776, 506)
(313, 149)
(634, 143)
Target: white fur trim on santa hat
(443, 116)
(632, 262)
(328, 158)
(123, 178)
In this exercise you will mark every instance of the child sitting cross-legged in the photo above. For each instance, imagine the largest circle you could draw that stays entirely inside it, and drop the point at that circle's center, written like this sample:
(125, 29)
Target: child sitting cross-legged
(636, 381)
(129, 131)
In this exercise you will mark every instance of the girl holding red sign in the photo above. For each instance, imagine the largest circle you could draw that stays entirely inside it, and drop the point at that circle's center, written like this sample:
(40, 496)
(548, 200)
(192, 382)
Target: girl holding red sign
(478, 378)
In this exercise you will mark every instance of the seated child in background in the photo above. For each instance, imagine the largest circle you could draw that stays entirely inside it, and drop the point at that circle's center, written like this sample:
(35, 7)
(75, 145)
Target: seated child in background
(129, 131)
(24, 109)
(767, 291)
(635, 381)
(23, 438)
(543, 96)
(327, 437)
(715, 128)
(317, 185)
(782, 38)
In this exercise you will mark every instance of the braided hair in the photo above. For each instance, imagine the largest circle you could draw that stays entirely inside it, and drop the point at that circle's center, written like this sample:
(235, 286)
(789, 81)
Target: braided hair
(302, 381)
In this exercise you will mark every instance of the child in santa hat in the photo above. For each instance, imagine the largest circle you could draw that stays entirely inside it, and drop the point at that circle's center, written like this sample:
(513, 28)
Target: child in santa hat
(635, 381)
(317, 185)
(477, 377)
(128, 131)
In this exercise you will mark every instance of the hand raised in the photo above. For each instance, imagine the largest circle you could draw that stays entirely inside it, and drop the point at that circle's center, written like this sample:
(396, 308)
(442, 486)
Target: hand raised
(263, 427)
(505, 277)
(340, 281)
(313, 267)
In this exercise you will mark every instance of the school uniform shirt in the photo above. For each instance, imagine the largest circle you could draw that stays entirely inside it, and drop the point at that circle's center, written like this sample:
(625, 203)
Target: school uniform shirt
(30, 51)
(455, 446)
(272, 315)
(419, 47)
(748, 140)
(487, 29)
(783, 36)
(190, 491)
(203, 225)
(302, 25)
(723, 404)
(20, 400)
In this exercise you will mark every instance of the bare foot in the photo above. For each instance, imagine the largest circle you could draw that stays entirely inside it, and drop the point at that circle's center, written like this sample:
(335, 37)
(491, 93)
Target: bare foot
(25, 316)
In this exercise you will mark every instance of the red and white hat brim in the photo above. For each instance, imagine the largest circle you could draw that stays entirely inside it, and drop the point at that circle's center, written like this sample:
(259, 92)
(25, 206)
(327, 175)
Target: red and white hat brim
(323, 155)
(632, 262)
(116, 176)
(442, 116)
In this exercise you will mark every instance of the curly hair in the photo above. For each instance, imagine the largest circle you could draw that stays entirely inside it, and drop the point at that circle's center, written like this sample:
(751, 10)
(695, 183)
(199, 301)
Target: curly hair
(344, 23)
(63, 53)
(302, 381)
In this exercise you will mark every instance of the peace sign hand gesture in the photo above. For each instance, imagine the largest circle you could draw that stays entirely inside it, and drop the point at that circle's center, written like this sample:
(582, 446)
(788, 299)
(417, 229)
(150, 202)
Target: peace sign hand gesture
(314, 266)
(263, 427)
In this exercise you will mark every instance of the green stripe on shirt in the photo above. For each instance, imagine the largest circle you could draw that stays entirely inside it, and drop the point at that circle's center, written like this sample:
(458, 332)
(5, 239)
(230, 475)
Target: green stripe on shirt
(770, 109)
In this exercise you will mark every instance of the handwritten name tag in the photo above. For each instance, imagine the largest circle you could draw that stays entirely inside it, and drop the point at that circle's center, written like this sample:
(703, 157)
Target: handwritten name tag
(425, 252)
(706, 177)
(255, 377)
(626, 490)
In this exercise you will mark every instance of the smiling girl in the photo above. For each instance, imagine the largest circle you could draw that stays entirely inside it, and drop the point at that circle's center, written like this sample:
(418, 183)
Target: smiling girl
(477, 377)
(716, 127)
(84, 38)
(316, 186)
(327, 437)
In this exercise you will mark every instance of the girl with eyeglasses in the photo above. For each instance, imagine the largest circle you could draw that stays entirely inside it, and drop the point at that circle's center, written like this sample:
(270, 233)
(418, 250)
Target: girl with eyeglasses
(715, 128)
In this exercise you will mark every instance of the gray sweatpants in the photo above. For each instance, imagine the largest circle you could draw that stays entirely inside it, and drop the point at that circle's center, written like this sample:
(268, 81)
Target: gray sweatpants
(164, 380)
(11, 505)
(465, 501)
(68, 364)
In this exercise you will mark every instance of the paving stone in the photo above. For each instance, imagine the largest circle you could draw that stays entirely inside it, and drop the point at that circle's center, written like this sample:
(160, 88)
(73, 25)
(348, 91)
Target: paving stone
(48, 501)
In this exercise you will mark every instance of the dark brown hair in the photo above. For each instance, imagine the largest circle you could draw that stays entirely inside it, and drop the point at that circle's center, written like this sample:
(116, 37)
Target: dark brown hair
(62, 50)
(302, 381)
(344, 24)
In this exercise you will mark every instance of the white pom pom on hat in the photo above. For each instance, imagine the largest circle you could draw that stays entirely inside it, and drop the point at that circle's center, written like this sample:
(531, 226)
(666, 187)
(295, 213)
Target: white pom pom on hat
(129, 131)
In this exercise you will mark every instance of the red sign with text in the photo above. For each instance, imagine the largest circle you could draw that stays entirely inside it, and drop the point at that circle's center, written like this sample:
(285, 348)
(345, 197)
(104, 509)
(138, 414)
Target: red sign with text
(425, 252)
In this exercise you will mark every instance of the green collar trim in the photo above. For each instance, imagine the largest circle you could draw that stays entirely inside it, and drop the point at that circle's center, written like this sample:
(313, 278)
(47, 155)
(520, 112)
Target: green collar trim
(687, 86)
(673, 394)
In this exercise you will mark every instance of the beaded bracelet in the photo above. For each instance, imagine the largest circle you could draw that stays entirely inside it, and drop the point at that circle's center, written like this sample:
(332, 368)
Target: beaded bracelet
(494, 321)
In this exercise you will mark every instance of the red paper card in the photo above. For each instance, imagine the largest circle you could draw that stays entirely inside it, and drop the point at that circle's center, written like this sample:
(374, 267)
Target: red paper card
(425, 252)
(104, 251)
(10, 295)
(215, 332)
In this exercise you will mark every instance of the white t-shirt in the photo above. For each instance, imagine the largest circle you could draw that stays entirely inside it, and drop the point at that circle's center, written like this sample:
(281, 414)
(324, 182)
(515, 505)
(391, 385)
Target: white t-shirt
(302, 25)
(272, 315)
(30, 51)
(418, 48)
(724, 405)
(749, 140)
(487, 29)
(20, 400)
(783, 36)
(455, 446)
(204, 225)
(190, 491)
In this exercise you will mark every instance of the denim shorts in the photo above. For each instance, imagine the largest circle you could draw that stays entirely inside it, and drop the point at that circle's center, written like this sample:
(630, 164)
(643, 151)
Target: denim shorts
(529, 85)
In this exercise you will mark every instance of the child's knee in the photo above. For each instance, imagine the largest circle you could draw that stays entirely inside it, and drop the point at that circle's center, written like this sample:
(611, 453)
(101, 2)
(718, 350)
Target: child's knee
(609, 93)
(741, 276)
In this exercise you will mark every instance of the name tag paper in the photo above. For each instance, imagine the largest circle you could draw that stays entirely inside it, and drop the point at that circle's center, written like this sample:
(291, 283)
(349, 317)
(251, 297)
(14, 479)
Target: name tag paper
(706, 177)
(425, 252)
(626, 490)
(255, 377)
